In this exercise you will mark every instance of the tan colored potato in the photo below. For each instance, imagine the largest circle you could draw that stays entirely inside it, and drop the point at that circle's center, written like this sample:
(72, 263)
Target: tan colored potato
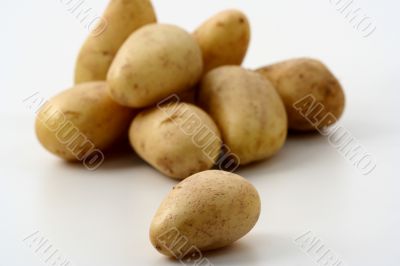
(81, 119)
(178, 139)
(154, 62)
(120, 19)
(224, 39)
(206, 211)
(247, 110)
(310, 92)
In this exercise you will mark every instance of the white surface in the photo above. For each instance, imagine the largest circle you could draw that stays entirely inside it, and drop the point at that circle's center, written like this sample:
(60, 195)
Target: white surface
(102, 218)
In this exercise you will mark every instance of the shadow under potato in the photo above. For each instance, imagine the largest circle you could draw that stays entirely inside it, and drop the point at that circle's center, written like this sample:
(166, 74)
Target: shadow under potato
(250, 250)
(120, 156)
(303, 134)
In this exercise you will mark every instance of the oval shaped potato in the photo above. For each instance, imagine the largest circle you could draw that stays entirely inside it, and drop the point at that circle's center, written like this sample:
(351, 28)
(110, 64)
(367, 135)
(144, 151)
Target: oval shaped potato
(224, 39)
(313, 97)
(155, 61)
(81, 119)
(206, 211)
(120, 19)
(178, 139)
(247, 110)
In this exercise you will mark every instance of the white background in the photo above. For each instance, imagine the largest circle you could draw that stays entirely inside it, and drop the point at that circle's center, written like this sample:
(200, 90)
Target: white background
(102, 218)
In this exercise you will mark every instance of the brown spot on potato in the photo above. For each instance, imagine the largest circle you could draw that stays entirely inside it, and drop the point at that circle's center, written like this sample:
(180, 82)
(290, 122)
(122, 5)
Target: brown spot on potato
(142, 145)
(106, 53)
(166, 164)
(72, 114)
(169, 119)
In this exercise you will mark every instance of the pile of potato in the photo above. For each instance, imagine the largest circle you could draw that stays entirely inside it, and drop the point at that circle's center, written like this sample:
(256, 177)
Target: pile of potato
(187, 106)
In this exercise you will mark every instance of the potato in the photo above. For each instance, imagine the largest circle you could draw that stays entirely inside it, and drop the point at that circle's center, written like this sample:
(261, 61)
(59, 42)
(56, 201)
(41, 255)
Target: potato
(120, 19)
(247, 110)
(224, 39)
(206, 211)
(178, 139)
(155, 61)
(81, 119)
(313, 97)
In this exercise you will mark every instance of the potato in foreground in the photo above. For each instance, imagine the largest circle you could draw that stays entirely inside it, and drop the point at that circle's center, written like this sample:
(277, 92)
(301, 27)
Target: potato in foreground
(120, 19)
(178, 139)
(247, 110)
(224, 39)
(155, 61)
(80, 120)
(312, 95)
(206, 211)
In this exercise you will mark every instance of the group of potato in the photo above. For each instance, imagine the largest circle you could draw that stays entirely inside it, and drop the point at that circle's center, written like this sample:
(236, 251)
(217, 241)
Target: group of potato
(188, 104)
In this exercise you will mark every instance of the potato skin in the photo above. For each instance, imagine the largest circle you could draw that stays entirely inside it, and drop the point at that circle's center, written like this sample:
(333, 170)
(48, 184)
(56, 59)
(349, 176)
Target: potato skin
(97, 53)
(224, 39)
(155, 61)
(166, 138)
(89, 111)
(295, 79)
(210, 210)
(247, 110)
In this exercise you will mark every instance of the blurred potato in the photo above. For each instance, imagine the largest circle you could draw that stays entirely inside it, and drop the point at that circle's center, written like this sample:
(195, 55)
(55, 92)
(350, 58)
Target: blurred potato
(178, 139)
(224, 39)
(247, 110)
(312, 95)
(81, 119)
(155, 61)
(120, 19)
